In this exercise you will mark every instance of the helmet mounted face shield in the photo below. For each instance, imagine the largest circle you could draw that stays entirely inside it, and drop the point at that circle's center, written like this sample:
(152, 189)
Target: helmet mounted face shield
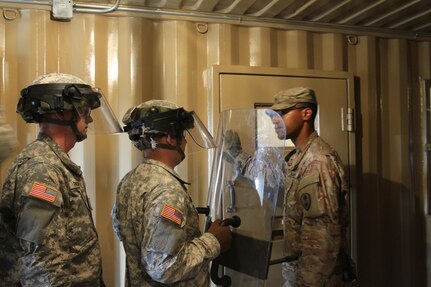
(141, 123)
(199, 133)
(41, 99)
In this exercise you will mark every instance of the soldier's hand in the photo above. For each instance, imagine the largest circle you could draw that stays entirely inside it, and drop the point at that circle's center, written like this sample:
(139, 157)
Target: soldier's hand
(222, 233)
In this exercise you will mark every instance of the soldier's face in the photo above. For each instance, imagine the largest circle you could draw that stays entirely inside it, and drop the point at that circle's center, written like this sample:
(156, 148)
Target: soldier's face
(279, 128)
(173, 141)
(83, 122)
(184, 141)
(293, 121)
(183, 148)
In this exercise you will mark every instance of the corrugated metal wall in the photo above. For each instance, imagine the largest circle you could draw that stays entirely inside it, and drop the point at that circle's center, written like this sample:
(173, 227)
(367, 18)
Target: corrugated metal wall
(133, 59)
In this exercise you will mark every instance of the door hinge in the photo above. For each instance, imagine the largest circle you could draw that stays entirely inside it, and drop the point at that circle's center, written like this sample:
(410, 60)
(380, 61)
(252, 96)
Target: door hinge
(347, 120)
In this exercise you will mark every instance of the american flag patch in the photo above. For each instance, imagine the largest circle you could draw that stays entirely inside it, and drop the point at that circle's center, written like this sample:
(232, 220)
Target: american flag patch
(44, 192)
(172, 214)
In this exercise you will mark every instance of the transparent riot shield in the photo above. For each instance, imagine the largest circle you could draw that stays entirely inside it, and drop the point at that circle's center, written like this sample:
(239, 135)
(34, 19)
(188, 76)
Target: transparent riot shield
(245, 181)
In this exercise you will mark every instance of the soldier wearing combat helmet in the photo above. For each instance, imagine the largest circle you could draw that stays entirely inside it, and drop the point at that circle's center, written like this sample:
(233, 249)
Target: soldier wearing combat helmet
(316, 213)
(47, 235)
(153, 215)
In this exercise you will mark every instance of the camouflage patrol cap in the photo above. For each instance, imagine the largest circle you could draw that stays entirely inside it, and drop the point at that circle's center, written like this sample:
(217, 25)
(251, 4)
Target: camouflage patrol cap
(288, 98)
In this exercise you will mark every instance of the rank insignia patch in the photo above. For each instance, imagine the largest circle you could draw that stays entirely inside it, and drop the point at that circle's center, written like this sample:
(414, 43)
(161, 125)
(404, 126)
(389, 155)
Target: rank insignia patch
(171, 213)
(43, 192)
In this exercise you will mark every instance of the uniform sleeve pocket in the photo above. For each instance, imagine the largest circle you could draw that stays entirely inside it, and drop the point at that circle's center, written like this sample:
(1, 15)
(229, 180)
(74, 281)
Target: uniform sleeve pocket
(34, 219)
(166, 238)
(308, 196)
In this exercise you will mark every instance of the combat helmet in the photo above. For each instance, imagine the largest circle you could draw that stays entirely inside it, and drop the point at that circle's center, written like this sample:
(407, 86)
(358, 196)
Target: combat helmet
(160, 117)
(59, 93)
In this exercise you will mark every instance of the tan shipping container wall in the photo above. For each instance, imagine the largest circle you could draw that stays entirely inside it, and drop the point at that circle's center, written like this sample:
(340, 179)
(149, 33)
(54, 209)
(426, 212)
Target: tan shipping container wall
(133, 59)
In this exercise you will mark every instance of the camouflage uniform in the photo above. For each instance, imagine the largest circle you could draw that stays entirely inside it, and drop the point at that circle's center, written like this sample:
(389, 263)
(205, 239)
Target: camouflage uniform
(315, 215)
(7, 140)
(47, 235)
(155, 218)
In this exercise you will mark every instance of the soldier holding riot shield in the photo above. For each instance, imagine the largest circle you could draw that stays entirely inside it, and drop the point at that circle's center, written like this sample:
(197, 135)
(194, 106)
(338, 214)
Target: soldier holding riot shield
(154, 216)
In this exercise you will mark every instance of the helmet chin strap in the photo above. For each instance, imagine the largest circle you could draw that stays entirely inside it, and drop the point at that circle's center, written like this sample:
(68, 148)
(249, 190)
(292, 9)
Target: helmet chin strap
(78, 135)
(72, 123)
(171, 147)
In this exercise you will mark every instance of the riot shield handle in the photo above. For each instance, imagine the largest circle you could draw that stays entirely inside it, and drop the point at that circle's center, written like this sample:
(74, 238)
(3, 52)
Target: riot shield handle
(233, 221)
(224, 281)
(286, 259)
(203, 210)
(231, 188)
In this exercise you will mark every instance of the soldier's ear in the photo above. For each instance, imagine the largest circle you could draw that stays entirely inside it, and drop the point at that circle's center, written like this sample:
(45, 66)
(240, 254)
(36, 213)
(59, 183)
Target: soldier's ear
(307, 113)
(171, 140)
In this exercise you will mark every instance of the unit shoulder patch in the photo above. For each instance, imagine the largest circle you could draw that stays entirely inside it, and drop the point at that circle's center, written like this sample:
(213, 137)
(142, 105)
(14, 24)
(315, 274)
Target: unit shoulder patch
(172, 214)
(44, 192)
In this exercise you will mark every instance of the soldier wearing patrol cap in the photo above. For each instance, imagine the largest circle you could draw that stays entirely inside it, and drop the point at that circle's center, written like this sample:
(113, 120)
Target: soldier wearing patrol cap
(154, 216)
(316, 213)
(47, 234)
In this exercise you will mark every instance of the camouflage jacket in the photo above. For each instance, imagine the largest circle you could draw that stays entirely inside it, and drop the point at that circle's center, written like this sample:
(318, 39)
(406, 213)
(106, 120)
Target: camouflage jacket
(155, 218)
(315, 213)
(7, 138)
(47, 235)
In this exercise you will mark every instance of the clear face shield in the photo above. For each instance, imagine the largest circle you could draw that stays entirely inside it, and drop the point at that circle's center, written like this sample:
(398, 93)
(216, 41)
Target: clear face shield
(97, 107)
(144, 121)
(201, 137)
